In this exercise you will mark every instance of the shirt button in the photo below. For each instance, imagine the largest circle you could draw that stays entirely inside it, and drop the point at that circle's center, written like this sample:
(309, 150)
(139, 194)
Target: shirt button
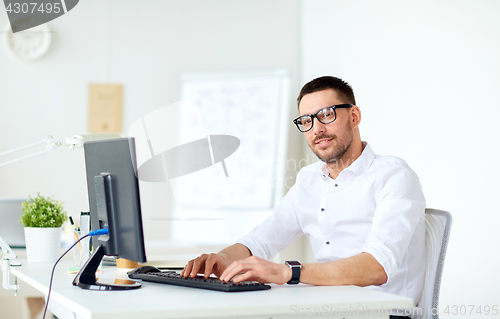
(322, 209)
(328, 243)
(336, 185)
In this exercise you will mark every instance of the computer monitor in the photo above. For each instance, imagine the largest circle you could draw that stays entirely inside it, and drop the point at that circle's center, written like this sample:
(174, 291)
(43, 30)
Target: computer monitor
(114, 202)
(11, 229)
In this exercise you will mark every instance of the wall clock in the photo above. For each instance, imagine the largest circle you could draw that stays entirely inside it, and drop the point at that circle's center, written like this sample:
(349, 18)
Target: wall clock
(29, 44)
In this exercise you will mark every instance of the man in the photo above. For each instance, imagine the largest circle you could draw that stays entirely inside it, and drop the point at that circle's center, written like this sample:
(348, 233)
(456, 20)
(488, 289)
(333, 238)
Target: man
(363, 213)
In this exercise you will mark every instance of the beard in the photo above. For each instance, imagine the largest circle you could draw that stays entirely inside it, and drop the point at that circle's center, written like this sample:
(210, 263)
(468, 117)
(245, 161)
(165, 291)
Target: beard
(336, 151)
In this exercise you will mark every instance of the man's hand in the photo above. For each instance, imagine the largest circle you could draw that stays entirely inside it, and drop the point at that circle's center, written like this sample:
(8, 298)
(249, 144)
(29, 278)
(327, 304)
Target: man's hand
(207, 264)
(215, 263)
(257, 269)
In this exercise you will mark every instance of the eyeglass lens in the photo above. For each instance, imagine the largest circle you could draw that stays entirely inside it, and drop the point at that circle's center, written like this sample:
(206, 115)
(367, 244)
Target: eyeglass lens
(325, 116)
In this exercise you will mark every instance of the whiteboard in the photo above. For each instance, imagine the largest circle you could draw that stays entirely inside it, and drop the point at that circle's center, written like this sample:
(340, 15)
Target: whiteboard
(253, 108)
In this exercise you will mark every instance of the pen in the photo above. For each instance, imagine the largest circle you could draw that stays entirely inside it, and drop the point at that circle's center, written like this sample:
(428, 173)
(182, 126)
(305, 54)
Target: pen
(75, 231)
(73, 224)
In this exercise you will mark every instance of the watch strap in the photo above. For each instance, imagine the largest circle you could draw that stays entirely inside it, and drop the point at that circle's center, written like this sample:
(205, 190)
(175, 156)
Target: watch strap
(295, 273)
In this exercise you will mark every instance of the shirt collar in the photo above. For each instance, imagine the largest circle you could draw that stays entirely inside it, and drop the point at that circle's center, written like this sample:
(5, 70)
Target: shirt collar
(361, 164)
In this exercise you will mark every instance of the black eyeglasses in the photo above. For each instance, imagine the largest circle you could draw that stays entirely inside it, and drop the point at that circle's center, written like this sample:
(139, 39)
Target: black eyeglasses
(326, 115)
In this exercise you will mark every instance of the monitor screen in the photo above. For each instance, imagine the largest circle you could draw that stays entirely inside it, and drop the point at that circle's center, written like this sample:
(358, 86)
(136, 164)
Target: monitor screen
(114, 199)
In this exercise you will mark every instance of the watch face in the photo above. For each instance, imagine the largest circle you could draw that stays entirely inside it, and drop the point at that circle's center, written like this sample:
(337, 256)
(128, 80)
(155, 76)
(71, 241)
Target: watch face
(29, 44)
(293, 263)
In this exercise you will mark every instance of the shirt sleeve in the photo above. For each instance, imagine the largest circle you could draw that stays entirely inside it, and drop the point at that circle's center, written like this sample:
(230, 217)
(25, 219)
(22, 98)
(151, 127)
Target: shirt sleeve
(400, 208)
(276, 232)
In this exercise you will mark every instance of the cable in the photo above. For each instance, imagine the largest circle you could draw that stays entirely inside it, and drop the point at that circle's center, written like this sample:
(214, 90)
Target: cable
(103, 231)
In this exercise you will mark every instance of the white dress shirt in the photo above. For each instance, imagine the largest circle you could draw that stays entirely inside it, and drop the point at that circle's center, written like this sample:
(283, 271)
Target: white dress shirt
(375, 205)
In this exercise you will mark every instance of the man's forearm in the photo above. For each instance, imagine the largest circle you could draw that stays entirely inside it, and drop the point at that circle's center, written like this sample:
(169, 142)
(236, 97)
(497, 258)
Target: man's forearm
(360, 270)
(234, 252)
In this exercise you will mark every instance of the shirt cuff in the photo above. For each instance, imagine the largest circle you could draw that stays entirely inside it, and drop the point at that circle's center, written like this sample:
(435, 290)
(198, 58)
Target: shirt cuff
(252, 245)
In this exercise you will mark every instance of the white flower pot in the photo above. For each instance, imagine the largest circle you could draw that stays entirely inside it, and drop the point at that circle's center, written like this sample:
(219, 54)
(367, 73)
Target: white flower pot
(43, 244)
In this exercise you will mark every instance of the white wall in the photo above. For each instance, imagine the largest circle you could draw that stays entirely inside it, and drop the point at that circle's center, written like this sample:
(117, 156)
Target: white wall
(426, 75)
(146, 46)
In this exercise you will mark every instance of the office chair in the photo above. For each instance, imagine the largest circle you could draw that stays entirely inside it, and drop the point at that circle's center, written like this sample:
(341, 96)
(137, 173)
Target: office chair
(437, 233)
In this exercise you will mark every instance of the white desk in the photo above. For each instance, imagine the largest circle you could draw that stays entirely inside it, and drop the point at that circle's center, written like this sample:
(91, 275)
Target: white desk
(164, 301)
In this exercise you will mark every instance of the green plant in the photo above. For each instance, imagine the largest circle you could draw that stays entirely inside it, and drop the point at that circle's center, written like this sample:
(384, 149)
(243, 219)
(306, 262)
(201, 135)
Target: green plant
(42, 212)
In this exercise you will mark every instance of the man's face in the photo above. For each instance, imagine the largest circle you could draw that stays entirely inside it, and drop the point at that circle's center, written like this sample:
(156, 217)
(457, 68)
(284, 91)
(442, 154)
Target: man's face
(330, 142)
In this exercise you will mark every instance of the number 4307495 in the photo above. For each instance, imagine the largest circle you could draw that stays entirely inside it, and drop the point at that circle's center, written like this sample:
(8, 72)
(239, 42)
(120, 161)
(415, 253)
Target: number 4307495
(33, 7)
(471, 310)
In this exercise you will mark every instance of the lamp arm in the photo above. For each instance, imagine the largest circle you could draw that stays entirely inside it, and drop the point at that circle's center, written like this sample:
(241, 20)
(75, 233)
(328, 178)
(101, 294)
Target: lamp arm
(75, 141)
(50, 145)
(7, 255)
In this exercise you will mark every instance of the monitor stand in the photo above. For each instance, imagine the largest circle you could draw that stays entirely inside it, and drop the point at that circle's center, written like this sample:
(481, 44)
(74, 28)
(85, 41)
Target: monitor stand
(86, 278)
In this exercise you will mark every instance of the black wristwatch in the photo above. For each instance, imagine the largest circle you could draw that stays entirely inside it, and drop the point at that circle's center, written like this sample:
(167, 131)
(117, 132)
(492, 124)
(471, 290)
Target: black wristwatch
(295, 266)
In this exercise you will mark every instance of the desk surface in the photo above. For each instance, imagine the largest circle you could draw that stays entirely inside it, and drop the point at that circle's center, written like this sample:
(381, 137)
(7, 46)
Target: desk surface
(161, 301)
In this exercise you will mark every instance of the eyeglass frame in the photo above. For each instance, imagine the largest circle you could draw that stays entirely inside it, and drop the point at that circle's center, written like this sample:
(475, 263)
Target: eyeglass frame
(315, 115)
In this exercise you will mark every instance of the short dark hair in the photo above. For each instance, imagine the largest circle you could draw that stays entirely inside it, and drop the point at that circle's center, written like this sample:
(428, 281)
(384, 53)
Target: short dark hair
(343, 89)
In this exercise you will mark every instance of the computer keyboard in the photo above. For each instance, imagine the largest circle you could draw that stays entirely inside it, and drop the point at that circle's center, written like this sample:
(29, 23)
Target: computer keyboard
(173, 278)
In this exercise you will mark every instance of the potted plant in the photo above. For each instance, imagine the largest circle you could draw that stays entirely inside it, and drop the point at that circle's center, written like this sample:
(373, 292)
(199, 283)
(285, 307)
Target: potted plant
(42, 219)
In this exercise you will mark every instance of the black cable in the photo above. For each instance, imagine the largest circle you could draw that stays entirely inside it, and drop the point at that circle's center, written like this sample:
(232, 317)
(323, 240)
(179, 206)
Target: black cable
(52, 275)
